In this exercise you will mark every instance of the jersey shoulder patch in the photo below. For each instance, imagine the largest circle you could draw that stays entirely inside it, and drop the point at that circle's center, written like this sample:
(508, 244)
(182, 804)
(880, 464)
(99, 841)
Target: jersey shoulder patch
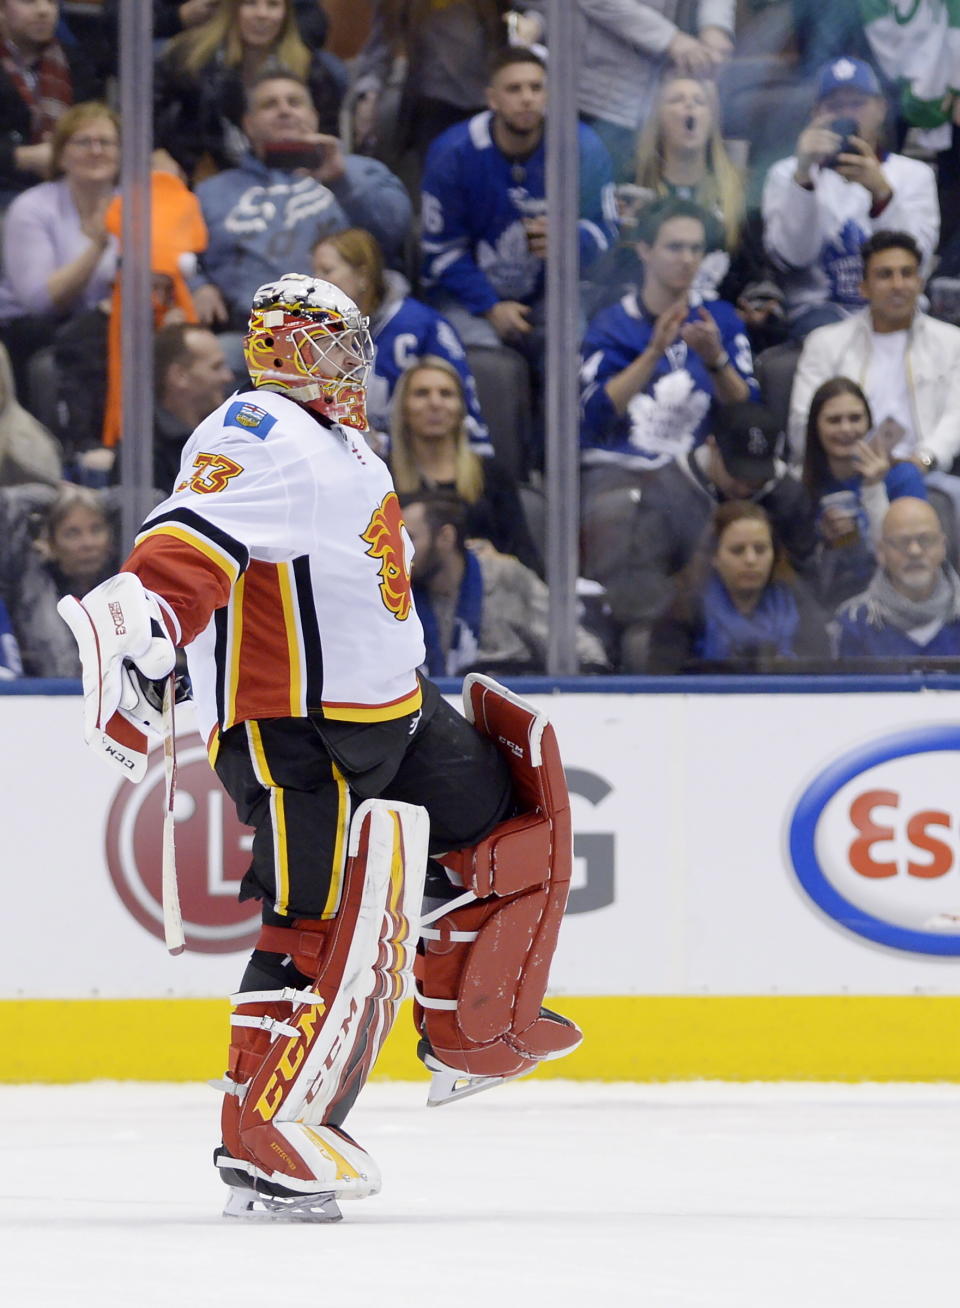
(250, 418)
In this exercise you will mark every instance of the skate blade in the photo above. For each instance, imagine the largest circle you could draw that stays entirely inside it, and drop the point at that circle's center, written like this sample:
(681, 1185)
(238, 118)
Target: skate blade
(250, 1206)
(448, 1086)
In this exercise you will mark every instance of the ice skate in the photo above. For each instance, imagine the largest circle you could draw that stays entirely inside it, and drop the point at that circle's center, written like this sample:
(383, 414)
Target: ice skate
(249, 1205)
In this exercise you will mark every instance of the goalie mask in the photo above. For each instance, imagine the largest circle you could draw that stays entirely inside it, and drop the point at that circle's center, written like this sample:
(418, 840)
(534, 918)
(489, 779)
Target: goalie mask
(309, 341)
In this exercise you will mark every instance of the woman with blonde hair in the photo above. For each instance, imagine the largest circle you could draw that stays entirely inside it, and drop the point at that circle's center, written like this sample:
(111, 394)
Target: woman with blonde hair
(430, 450)
(680, 152)
(202, 76)
(401, 326)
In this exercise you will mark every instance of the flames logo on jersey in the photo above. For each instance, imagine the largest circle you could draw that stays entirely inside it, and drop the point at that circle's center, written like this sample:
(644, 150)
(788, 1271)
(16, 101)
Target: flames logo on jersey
(384, 535)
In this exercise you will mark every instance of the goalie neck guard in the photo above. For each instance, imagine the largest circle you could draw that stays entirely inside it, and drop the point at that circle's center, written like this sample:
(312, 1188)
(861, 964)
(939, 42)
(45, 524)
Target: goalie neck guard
(310, 342)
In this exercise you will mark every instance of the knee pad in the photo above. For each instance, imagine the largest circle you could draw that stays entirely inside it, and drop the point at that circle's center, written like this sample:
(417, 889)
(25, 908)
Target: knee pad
(299, 1057)
(483, 966)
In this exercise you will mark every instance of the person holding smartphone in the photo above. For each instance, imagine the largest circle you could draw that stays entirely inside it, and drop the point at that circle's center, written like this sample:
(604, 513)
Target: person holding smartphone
(821, 204)
(851, 480)
(293, 187)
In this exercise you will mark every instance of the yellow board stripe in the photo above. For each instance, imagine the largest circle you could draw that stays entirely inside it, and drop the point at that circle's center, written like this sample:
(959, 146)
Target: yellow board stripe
(294, 642)
(632, 1038)
(224, 561)
(234, 640)
(281, 867)
(339, 848)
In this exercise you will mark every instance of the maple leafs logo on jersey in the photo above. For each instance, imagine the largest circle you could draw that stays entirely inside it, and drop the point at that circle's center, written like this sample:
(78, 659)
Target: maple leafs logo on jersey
(385, 535)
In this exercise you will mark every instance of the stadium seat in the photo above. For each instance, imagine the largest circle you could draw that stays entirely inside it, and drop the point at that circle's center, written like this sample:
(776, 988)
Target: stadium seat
(503, 388)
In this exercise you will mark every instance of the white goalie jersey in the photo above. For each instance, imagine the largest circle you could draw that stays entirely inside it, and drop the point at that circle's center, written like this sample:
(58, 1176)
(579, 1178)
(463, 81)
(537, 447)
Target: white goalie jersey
(283, 553)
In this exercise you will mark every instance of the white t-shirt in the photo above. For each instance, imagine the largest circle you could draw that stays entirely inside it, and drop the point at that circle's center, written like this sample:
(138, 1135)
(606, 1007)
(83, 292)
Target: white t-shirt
(887, 387)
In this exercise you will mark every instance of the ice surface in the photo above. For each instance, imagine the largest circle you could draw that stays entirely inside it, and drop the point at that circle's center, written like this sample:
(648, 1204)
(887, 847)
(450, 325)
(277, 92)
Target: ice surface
(555, 1195)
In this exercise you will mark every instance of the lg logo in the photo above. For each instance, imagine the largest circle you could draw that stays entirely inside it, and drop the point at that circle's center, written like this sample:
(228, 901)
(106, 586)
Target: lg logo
(597, 849)
(213, 853)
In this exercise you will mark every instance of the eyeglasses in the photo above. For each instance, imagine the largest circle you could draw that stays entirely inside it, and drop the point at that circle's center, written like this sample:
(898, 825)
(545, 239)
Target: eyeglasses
(926, 540)
(95, 142)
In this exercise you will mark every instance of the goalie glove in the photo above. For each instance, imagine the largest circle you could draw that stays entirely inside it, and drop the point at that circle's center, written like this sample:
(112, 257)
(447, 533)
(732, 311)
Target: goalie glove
(120, 631)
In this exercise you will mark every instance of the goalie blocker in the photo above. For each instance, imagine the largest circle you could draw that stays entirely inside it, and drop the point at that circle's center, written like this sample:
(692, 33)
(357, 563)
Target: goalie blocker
(483, 964)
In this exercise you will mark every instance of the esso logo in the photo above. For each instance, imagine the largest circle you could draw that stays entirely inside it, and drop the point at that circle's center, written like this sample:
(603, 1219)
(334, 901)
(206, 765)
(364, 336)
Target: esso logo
(875, 840)
(213, 853)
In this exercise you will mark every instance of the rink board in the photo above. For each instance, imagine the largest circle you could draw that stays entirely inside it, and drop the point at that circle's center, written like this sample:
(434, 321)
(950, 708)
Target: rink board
(766, 886)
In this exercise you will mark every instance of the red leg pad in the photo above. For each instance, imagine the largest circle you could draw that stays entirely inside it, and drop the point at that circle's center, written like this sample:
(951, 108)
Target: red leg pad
(491, 987)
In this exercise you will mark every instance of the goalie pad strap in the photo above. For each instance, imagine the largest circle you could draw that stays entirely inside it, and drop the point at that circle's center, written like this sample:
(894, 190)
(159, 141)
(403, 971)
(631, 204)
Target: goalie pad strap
(298, 1086)
(482, 982)
(306, 948)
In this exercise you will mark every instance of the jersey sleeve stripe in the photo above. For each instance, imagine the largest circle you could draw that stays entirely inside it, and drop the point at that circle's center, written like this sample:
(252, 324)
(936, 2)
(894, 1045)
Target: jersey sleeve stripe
(226, 562)
(196, 530)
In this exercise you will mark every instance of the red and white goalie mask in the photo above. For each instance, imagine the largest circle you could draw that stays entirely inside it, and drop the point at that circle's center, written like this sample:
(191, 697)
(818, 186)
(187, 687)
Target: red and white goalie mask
(309, 341)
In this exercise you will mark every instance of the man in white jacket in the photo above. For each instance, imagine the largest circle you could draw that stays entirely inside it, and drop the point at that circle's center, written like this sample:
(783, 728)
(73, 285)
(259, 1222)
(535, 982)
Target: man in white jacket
(841, 186)
(907, 363)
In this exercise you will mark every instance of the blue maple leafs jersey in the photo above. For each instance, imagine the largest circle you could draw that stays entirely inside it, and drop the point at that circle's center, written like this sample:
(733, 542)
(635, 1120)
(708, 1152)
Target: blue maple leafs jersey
(670, 416)
(403, 331)
(475, 200)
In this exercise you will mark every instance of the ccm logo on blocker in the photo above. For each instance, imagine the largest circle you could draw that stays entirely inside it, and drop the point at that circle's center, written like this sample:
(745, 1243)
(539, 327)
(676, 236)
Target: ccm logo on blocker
(875, 840)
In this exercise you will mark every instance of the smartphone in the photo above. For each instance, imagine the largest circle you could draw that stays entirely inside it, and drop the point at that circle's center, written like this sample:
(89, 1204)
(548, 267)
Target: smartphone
(886, 436)
(290, 155)
(844, 128)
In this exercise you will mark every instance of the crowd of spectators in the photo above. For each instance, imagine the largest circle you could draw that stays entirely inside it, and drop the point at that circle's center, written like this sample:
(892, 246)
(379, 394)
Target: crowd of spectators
(770, 325)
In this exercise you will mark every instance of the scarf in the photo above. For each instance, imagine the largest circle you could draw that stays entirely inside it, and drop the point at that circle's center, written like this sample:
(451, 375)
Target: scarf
(465, 640)
(46, 88)
(730, 634)
(883, 605)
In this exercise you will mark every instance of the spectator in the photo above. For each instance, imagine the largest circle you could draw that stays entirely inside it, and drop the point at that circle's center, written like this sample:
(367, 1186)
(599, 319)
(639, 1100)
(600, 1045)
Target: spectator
(39, 80)
(75, 551)
(637, 539)
(444, 51)
(484, 213)
(652, 364)
(623, 46)
(479, 610)
(403, 329)
(28, 452)
(821, 204)
(907, 362)
(680, 154)
(58, 257)
(738, 610)
(851, 480)
(265, 216)
(192, 378)
(87, 350)
(430, 449)
(911, 608)
(202, 78)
